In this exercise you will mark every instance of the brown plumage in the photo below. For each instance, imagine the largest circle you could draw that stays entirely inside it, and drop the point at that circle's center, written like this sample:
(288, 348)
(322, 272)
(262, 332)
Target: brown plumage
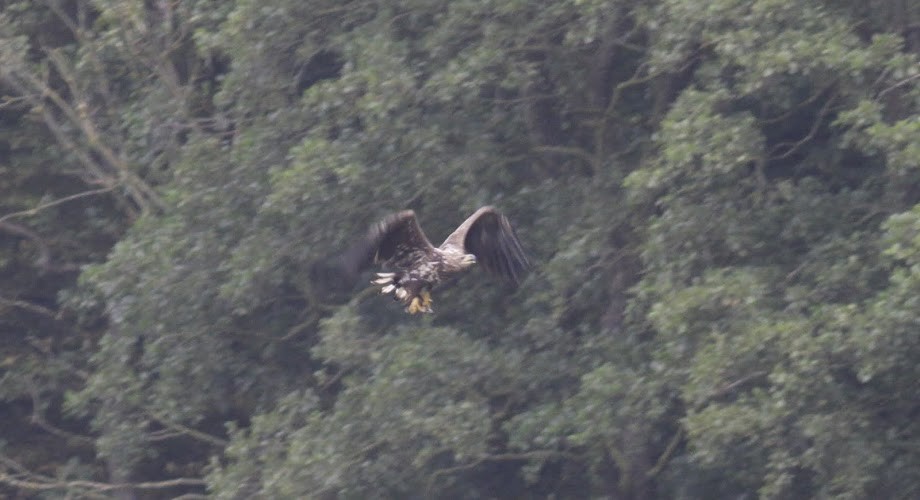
(399, 244)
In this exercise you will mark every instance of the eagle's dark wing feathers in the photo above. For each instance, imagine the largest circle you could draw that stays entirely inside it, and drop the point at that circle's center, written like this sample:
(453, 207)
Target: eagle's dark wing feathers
(386, 240)
(488, 235)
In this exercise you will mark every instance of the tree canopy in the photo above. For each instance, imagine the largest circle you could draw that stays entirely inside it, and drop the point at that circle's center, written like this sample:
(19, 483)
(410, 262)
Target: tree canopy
(721, 200)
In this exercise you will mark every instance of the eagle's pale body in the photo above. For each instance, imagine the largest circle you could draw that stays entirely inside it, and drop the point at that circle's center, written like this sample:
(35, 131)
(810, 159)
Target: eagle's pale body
(415, 266)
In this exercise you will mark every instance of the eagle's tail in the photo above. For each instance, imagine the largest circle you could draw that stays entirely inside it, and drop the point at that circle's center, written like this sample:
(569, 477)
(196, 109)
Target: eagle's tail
(389, 283)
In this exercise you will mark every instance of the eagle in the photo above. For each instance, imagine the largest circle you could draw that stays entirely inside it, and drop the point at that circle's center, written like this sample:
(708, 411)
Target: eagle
(414, 266)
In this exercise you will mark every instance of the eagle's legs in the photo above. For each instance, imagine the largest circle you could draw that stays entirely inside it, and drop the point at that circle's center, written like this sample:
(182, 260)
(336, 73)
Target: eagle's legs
(420, 303)
(426, 299)
(415, 303)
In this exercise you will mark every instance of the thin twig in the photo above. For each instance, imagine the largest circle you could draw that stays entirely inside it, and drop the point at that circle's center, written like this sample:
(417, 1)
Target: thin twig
(182, 429)
(39, 421)
(812, 98)
(795, 146)
(899, 84)
(504, 457)
(729, 388)
(572, 151)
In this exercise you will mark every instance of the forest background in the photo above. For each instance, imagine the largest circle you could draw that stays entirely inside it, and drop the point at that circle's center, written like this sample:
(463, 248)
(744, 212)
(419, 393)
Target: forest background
(720, 198)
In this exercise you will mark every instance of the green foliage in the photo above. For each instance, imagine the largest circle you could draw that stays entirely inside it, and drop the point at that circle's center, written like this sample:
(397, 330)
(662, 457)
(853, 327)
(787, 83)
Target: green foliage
(721, 200)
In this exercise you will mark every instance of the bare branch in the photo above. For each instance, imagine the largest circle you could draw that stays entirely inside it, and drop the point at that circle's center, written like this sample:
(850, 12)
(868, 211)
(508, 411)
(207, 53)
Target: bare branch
(9, 102)
(504, 457)
(796, 146)
(46, 485)
(34, 210)
(14, 465)
(28, 306)
(899, 84)
(95, 173)
(182, 429)
(731, 387)
(32, 481)
(44, 258)
(678, 436)
(600, 132)
(617, 93)
(39, 421)
(55, 7)
(30, 85)
(29, 478)
(299, 328)
(667, 454)
(522, 99)
(810, 99)
(572, 151)
(76, 26)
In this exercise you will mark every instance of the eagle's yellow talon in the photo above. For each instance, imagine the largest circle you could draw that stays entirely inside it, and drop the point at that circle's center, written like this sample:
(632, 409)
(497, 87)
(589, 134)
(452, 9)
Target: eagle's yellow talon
(426, 299)
(414, 306)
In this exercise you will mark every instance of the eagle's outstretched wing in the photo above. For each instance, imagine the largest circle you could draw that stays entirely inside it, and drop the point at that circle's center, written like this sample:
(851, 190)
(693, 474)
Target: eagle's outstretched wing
(488, 235)
(394, 238)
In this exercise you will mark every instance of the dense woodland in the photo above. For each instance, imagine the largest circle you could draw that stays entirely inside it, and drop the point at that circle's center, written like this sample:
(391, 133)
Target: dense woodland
(721, 199)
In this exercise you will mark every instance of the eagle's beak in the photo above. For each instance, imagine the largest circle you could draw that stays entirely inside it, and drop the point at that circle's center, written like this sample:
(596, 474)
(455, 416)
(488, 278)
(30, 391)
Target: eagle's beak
(469, 259)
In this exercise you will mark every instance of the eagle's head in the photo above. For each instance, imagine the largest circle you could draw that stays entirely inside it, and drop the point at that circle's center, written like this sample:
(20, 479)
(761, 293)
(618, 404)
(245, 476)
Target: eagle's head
(467, 260)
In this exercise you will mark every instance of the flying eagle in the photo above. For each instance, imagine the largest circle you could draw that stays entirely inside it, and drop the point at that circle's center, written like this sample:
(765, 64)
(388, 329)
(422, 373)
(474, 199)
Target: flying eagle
(416, 266)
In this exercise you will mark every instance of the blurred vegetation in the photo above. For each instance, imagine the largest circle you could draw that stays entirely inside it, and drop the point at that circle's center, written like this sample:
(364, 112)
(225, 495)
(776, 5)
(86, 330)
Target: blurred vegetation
(722, 199)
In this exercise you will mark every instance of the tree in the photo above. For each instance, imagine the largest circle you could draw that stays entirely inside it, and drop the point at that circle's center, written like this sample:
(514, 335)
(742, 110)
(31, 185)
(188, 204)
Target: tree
(720, 200)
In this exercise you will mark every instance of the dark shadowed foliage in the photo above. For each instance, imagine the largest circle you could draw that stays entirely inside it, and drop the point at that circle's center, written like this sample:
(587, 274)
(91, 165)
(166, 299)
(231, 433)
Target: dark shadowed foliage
(719, 201)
